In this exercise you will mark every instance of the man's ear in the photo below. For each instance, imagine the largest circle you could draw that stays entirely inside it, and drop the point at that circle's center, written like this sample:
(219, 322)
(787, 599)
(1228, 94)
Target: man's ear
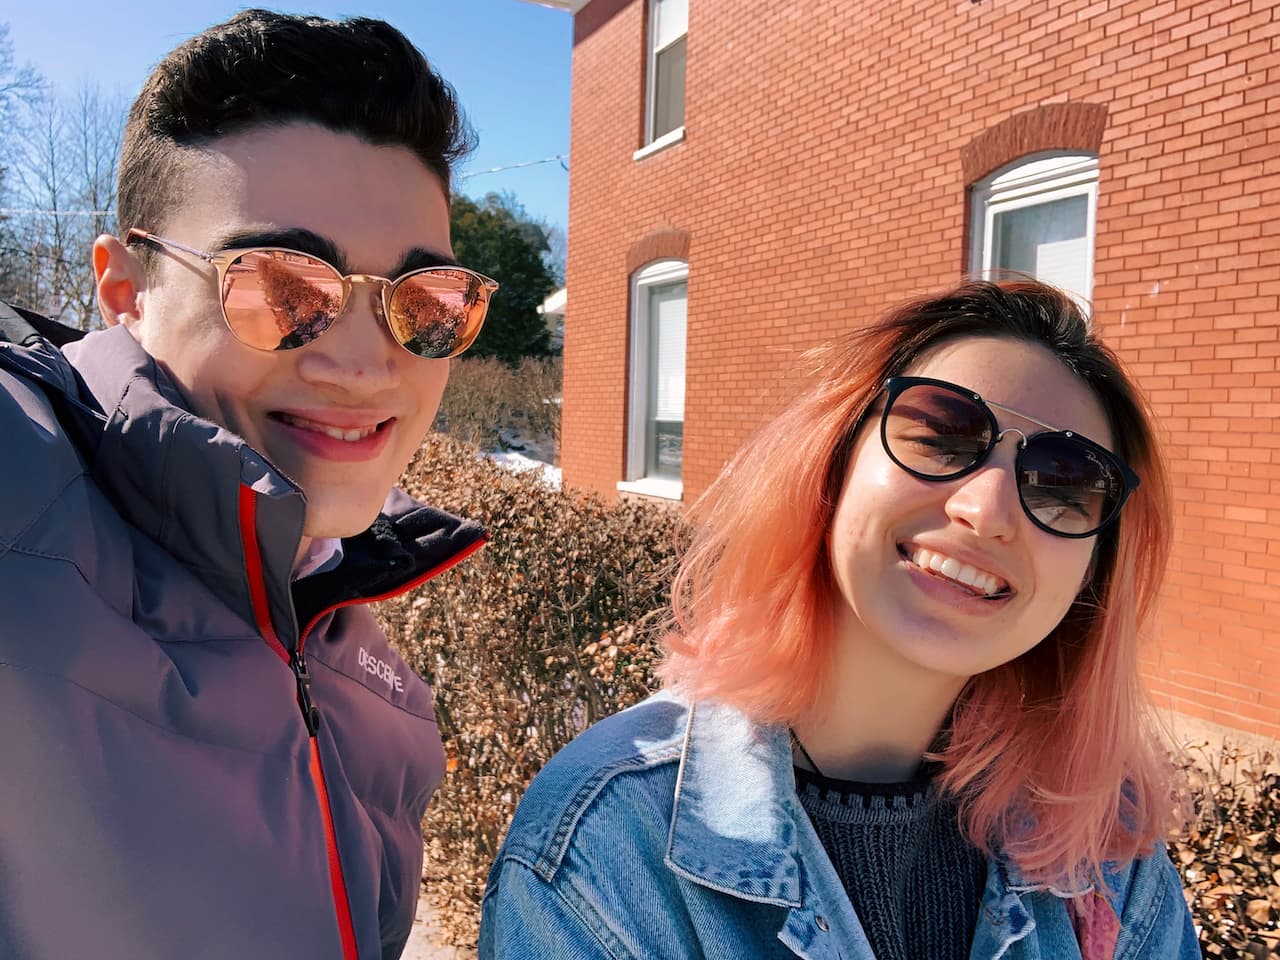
(120, 281)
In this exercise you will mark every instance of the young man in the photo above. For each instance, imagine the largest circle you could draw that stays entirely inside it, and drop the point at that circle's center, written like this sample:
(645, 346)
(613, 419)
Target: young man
(207, 747)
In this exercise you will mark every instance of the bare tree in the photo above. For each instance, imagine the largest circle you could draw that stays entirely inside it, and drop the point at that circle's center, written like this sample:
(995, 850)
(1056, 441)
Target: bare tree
(17, 84)
(20, 86)
(43, 178)
(94, 127)
(66, 179)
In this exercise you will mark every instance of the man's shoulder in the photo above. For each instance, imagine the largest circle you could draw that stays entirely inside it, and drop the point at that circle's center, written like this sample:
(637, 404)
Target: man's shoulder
(19, 325)
(41, 459)
(603, 781)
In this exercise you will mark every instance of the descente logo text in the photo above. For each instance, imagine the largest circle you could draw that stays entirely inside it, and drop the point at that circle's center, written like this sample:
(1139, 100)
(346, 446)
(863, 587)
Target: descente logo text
(380, 669)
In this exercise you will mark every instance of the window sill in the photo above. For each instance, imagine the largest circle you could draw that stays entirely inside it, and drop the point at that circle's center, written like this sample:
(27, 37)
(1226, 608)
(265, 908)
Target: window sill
(653, 487)
(664, 141)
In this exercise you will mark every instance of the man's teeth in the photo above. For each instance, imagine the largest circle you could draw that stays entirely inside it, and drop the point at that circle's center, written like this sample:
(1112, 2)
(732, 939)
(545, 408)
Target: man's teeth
(351, 436)
(951, 568)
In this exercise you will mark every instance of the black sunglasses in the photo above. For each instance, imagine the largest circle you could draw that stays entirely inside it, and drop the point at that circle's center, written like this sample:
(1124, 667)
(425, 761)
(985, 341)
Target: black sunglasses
(1068, 485)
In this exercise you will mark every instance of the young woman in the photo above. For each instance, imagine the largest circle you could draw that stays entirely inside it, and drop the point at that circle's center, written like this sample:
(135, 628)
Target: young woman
(903, 715)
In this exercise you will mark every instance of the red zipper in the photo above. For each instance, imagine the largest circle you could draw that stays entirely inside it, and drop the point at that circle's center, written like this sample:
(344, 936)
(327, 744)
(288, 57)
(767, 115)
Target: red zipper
(248, 511)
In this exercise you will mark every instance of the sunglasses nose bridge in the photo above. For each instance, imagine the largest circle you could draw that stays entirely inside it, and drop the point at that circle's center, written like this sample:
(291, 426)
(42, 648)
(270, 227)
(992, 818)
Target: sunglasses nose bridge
(985, 456)
(382, 298)
(1022, 437)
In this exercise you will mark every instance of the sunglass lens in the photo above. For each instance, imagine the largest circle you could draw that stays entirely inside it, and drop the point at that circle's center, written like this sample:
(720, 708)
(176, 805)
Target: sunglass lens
(438, 312)
(1067, 485)
(278, 299)
(936, 432)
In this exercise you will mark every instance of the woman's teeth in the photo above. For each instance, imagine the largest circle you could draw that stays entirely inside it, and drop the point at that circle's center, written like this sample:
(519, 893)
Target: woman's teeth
(981, 582)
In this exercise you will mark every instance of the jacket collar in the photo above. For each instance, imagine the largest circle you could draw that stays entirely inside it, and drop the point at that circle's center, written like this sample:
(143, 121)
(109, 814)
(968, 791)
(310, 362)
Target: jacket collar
(736, 823)
(178, 477)
(183, 481)
(734, 820)
(407, 544)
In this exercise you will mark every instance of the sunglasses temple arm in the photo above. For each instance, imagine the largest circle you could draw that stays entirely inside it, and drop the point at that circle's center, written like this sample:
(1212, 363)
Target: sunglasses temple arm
(134, 232)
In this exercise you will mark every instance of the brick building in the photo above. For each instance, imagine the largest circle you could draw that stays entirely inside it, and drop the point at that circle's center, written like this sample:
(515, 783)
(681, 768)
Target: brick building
(748, 180)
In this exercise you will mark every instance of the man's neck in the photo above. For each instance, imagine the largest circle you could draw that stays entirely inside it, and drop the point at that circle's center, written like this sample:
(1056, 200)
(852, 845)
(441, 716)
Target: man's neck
(314, 554)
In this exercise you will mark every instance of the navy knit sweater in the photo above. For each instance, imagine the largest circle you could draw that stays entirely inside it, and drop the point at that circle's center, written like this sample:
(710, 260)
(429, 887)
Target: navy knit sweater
(914, 881)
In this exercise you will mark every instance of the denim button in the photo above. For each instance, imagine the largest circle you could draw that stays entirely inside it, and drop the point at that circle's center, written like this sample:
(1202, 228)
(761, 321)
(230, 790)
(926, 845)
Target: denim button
(822, 923)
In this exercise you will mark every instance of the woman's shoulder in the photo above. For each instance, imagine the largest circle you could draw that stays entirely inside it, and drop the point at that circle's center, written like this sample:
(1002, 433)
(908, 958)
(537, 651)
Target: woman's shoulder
(604, 780)
(1138, 911)
(595, 863)
(1148, 900)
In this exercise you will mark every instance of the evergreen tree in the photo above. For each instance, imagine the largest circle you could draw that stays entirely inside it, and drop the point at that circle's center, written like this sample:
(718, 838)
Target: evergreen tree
(496, 237)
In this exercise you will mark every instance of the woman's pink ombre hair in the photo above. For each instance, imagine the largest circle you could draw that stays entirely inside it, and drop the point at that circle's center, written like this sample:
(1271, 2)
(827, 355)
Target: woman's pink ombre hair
(1052, 755)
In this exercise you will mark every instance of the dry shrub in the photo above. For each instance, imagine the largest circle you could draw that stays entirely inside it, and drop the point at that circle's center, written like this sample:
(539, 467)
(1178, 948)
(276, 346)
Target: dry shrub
(546, 630)
(1230, 855)
(476, 400)
(540, 386)
(488, 402)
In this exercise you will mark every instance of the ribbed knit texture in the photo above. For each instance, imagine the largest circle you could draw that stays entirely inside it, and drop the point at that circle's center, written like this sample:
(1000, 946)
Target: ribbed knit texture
(915, 884)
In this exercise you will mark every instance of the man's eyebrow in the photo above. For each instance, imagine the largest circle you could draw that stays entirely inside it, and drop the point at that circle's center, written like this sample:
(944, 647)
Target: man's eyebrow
(420, 257)
(304, 241)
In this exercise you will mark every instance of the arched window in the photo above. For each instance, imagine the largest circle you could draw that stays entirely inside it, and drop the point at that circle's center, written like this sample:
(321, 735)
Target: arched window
(655, 420)
(1036, 217)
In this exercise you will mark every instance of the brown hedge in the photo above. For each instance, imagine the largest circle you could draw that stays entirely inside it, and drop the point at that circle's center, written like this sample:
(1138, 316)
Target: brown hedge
(1229, 856)
(487, 402)
(543, 632)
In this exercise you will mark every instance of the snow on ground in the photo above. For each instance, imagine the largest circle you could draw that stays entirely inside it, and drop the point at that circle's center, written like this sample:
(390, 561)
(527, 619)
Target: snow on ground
(520, 454)
(519, 463)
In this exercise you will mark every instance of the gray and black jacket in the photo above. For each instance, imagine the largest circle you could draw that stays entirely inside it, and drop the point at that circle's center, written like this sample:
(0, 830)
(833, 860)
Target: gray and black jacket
(198, 758)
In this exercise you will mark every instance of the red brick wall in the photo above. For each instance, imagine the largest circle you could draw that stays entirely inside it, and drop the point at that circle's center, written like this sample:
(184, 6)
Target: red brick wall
(823, 177)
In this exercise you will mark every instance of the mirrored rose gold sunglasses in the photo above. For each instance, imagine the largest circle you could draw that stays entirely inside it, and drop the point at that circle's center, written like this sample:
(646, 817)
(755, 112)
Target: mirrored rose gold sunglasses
(274, 298)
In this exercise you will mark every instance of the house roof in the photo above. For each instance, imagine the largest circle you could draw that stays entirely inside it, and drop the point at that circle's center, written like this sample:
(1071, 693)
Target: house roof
(573, 6)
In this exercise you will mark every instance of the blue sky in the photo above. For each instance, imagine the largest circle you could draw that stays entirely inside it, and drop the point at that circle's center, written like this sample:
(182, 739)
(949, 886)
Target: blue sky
(508, 60)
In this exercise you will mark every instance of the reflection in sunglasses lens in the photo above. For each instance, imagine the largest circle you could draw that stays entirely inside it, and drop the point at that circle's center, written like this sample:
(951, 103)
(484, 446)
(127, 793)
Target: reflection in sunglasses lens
(1066, 485)
(277, 299)
(437, 313)
(936, 432)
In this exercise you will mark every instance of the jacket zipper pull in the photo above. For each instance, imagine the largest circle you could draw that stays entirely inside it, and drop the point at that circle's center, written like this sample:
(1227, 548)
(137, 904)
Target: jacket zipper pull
(310, 715)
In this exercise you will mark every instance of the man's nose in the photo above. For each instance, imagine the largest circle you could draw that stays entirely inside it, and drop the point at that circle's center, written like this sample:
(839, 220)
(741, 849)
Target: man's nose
(357, 353)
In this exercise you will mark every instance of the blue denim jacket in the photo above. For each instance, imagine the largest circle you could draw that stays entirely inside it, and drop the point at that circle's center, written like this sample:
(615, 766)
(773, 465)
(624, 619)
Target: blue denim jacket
(668, 831)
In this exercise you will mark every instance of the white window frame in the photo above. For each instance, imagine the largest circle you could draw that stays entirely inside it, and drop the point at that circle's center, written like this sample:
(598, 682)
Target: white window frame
(664, 141)
(660, 273)
(652, 143)
(1027, 182)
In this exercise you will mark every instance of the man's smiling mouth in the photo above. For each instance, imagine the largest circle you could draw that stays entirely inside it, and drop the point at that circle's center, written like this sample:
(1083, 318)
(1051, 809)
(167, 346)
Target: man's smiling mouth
(350, 434)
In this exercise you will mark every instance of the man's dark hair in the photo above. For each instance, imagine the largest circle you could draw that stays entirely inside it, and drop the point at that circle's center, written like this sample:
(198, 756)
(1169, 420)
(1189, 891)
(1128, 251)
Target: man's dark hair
(358, 76)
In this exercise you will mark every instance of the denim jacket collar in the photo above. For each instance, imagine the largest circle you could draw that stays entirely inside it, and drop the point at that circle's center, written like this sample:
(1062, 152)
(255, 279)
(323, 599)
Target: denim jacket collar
(734, 829)
(739, 828)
